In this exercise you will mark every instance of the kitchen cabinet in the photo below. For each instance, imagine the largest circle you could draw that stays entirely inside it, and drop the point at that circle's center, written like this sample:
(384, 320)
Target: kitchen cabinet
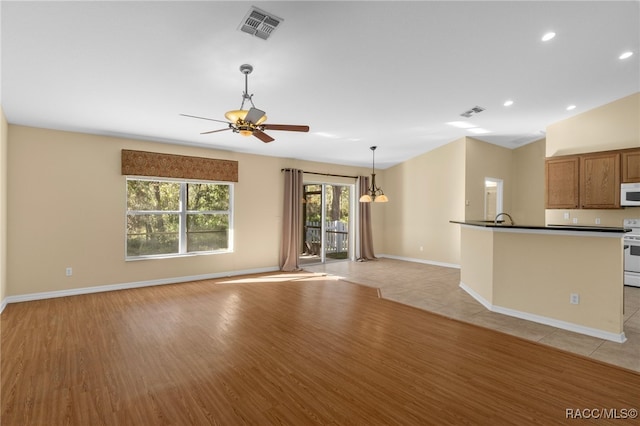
(562, 182)
(600, 180)
(630, 166)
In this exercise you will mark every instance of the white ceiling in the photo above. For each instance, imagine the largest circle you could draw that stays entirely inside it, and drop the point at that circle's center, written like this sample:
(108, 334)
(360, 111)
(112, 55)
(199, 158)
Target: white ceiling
(358, 73)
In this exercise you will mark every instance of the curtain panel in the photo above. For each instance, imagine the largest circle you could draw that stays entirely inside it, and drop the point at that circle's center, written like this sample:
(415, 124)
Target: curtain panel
(291, 220)
(142, 163)
(365, 232)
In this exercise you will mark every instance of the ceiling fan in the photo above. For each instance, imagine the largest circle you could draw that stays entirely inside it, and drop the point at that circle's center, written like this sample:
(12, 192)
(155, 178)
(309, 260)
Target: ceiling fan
(252, 121)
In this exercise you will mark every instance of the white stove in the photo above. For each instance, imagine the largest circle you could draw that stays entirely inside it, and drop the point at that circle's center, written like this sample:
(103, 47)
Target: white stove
(632, 253)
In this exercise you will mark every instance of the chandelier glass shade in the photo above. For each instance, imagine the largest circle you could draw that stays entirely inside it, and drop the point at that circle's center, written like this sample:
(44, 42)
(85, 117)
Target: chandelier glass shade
(238, 115)
(374, 193)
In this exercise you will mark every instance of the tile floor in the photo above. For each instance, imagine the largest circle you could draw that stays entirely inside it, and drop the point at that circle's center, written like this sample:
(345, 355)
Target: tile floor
(436, 289)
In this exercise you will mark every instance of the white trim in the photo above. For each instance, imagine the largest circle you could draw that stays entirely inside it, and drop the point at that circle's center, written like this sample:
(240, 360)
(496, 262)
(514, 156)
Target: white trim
(428, 262)
(576, 328)
(124, 286)
(3, 304)
(484, 302)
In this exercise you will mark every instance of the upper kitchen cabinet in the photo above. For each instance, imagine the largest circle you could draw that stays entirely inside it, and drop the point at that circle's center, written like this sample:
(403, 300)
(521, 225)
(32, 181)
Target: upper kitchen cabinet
(562, 182)
(631, 166)
(600, 180)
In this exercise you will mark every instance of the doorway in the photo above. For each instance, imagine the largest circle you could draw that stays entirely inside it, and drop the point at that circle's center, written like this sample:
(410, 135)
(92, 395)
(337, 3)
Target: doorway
(492, 197)
(326, 212)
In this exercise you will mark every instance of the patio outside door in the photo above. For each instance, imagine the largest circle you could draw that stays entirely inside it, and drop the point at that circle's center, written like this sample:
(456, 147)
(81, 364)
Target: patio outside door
(326, 226)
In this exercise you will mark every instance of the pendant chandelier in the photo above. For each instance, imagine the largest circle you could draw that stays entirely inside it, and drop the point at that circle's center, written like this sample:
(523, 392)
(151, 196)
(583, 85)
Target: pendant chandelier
(374, 193)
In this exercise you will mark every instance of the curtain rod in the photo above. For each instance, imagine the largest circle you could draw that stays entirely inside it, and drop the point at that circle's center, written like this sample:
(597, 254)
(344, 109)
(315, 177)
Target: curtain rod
(323, 174)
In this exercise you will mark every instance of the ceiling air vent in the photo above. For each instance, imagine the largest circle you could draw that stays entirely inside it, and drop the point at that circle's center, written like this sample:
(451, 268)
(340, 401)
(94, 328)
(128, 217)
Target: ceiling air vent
(259, 23)
(472, 111)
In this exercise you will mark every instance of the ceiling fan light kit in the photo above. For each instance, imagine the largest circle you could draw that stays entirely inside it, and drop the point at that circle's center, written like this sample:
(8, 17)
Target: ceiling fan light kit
(374, 192)
(250, 122)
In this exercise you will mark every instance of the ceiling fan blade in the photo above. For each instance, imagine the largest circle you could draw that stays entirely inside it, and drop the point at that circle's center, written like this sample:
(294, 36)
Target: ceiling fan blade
(287, 127)
(215, 131)
(254, 115)
(204, 118)
(262, 136)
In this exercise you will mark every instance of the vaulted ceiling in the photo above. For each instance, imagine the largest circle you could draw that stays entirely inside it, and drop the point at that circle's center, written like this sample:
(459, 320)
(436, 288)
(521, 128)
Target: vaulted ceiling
(360, 73)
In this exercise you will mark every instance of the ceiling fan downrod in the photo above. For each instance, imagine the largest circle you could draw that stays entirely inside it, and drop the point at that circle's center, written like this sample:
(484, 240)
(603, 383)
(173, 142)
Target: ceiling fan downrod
(246, 69)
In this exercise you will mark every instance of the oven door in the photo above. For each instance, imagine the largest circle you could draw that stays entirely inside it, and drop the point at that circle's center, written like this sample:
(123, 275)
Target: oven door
(632, 255)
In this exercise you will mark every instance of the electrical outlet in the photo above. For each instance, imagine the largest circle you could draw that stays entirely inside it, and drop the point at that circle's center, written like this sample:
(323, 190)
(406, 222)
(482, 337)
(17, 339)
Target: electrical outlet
(566, 216)
(575, 220)
(69, 271)
(597, 221)
(574, 299)
(421, 248)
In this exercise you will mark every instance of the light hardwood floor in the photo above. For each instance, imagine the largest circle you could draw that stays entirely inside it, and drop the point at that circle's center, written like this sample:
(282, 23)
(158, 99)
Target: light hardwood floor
(437, 289)
(292, 349)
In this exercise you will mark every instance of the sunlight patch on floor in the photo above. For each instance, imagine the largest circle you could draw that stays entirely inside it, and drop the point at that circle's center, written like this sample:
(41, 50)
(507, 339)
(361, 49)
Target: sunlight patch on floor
(302, 276)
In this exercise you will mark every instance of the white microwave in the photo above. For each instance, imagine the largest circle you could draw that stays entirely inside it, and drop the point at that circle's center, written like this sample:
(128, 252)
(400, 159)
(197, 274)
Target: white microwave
(630, 194)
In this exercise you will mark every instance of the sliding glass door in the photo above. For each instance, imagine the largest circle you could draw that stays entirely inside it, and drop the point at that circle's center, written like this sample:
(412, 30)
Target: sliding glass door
(326, 223)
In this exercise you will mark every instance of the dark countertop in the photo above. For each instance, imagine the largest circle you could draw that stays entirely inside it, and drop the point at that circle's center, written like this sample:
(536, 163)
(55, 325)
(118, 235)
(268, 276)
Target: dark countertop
(578, 228)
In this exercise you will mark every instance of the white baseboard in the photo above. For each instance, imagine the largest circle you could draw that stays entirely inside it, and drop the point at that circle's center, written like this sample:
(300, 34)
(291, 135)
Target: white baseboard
(412, 259)
(3, 304)
(484, 302)
(124, 286)
(576, 328)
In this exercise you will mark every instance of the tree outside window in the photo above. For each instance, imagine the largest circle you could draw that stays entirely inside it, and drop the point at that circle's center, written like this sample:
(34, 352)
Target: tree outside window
(177, 217)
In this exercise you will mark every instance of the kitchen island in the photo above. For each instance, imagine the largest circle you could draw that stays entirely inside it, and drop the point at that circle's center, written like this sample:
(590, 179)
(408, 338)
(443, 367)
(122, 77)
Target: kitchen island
(570, 277)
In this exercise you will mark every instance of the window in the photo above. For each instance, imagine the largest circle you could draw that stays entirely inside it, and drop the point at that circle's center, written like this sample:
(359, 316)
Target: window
(169, 217)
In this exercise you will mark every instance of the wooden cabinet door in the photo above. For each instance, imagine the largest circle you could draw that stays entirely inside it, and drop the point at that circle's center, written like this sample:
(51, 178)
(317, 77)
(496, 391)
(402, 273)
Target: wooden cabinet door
(561, 182)
(631, 166)
(600, 181)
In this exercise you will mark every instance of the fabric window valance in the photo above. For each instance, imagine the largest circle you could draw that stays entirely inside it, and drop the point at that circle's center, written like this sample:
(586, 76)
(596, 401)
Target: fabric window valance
(142, 163)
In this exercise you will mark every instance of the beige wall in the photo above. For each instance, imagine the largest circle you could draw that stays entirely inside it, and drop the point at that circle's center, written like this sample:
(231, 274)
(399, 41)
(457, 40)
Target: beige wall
(527, 195)
(589, 266)
(503, 267)
(3, 206)
(615, 125)
(428, 191)
(587, 217)
(425, 193)
(485, 160)
(477, 261)
(522, 172)
(67, 201)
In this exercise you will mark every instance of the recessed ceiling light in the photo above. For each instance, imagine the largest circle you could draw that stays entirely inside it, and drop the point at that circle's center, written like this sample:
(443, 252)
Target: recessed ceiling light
(479, 131)
(508, 103)
(571, 107)
(548, 36)
(461, 124)
(625, 55)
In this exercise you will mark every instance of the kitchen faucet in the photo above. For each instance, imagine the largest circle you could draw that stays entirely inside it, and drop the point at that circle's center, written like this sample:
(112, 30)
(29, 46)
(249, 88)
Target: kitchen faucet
(495, 221)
